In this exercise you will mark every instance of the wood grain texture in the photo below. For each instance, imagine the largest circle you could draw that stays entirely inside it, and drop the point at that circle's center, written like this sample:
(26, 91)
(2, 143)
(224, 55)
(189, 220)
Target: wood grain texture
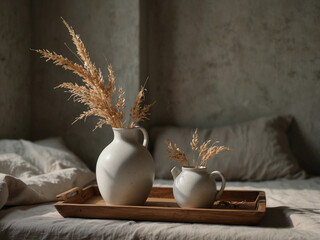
(247, 207)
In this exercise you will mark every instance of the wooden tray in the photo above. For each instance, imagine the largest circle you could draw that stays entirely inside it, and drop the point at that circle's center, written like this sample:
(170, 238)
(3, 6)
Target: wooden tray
(234, 207)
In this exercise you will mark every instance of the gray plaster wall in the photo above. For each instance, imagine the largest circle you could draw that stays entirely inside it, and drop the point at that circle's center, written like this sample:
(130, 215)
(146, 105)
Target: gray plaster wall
(110, 31)
(221, 62)
(209, 63)
(14, 69)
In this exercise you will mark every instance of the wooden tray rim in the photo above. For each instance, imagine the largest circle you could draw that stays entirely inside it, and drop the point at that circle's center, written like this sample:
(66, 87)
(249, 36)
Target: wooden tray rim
(261, 205)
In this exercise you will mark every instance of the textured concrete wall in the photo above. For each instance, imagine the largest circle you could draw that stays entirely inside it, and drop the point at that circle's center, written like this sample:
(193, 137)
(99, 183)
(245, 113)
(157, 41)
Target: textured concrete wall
(109, 29)
(14, 69)
(220, 62)
(210, 63)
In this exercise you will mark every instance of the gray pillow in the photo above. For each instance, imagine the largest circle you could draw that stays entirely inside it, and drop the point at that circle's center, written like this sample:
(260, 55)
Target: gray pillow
(260, 149)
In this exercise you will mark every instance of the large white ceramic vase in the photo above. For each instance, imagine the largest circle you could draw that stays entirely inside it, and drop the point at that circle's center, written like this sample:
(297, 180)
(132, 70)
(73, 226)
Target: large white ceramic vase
(125, 168)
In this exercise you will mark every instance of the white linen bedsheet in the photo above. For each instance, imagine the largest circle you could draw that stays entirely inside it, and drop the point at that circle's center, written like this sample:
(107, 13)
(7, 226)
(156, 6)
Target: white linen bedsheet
(293, 212)
(33, 173)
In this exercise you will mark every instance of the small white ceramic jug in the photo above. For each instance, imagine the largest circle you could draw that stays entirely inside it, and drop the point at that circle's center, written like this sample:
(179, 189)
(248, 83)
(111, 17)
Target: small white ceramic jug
(195, 187)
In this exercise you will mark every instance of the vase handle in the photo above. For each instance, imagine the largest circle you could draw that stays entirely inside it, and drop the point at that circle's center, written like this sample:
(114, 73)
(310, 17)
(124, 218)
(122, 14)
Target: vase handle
(145, 136)
(215, 174)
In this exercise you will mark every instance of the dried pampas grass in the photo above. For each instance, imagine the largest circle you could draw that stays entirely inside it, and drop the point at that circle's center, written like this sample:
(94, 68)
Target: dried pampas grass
(205, 151)
(176, 154)
(212, 151)
(137, 112)
(94, 93)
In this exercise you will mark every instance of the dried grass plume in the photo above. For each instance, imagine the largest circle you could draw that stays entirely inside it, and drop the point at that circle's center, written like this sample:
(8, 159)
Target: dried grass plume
(205, 151)
(176, 154)
(93, 92)
(195, 140)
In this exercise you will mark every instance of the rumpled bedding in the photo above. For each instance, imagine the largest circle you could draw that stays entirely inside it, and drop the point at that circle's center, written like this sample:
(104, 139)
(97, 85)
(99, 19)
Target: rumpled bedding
(293, 212)
(36, 172)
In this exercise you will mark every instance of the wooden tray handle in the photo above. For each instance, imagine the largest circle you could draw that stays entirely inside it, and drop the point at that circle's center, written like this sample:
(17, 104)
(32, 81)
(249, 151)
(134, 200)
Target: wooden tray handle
(262, 202)
(69, 194)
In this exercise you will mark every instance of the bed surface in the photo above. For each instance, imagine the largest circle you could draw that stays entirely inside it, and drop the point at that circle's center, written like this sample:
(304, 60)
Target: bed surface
(293, 211)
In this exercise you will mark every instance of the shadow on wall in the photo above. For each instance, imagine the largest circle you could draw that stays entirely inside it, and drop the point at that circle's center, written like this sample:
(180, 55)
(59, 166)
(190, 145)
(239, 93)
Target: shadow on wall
(303, 150)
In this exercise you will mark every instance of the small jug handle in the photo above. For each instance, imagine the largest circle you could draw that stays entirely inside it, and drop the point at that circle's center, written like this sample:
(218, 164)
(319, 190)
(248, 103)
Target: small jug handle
(215, 174)
(145, 136)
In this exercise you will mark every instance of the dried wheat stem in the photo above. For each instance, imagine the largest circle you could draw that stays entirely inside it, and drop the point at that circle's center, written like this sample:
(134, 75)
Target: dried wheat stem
(94, 94)
(138, 113)
(206, 152)
(176, 154)
(212, 151)
(194, 145)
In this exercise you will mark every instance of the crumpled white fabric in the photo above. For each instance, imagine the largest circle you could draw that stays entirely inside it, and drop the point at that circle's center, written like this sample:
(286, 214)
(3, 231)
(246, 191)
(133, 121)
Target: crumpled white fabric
(36, 172)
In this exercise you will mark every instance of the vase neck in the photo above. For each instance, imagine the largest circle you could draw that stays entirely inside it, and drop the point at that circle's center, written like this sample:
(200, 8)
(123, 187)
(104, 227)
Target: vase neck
(125, 134)
(201, 170)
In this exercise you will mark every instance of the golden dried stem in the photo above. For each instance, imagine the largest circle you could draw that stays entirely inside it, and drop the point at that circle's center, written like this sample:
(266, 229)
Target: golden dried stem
(138, 113)
(195, 141)
(176, 154)
(205, 151)
(203, 148)
(194, 145)
(94, 94)
(212, 151)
